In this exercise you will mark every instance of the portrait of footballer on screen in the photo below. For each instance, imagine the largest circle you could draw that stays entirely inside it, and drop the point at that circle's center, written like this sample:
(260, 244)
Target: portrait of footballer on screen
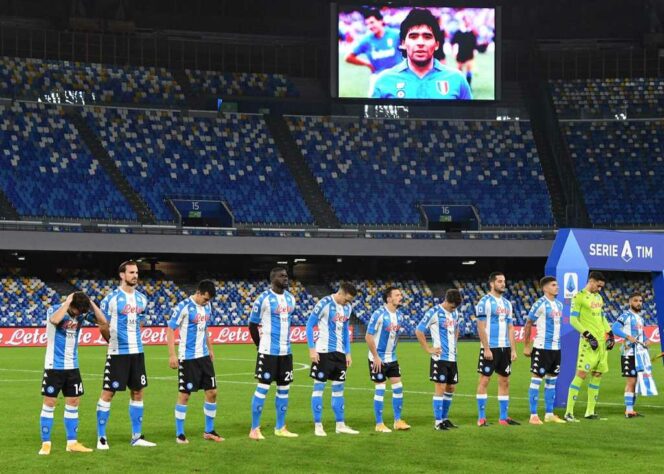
(416, 53)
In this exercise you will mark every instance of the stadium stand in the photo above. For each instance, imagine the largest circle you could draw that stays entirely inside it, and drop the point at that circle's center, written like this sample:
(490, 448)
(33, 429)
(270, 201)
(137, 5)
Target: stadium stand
(29, 78)
(608, 97)
(24, 300)
(360, 164)
(240, 84)
(46, 170)
(620, 167)
(167, 154)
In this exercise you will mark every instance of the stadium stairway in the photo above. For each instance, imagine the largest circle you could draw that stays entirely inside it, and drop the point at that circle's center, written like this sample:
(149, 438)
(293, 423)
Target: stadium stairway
(567, 203)
(306, 182)
(91, 139)
(63, 288)
(7, 209)
(181, 78)
(318, 290)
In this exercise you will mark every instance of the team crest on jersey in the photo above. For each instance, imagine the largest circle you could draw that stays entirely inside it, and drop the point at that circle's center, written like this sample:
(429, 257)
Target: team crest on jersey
(443, 87)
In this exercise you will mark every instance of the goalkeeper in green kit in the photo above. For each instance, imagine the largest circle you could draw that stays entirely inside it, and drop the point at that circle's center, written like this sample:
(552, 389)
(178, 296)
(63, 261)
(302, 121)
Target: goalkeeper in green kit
(586, 317)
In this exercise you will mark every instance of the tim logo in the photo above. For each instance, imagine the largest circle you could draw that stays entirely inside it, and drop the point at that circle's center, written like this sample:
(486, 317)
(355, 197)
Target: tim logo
(626, 253)
(571, 281)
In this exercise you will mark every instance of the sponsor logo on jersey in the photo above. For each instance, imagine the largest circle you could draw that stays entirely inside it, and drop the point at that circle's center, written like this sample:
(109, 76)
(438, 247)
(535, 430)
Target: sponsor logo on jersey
(131, 309)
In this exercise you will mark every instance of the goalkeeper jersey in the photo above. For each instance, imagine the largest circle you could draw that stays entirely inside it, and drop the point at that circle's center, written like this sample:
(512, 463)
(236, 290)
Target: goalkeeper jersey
(586, 315)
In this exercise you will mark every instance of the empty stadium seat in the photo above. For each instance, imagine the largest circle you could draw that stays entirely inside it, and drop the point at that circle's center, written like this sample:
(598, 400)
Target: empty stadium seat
(24, 301)
(608, 97)
(378, 171)
(240, 84)
(47, 170)
(168, 155)
(620, 168)
(29, 78)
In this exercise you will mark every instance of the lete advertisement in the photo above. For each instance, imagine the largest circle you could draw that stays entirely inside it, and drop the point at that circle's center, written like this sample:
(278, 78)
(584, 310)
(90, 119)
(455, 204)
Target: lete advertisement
(156, 335)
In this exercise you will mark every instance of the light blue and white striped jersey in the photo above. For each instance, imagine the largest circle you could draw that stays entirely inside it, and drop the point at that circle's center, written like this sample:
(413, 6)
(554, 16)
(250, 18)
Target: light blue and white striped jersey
(124, 312)
(62, 340)
(497, 313)
(192, 321)
(332, 321)
(442, 325)
(385, 327)
(547, 316)
(274, 313)
(630, 324)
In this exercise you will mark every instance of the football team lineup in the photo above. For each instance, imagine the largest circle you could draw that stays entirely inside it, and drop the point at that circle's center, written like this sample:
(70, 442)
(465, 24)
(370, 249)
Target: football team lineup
(227, 369)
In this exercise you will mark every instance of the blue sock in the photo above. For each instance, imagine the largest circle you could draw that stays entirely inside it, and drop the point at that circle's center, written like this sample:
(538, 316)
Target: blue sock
(180, 415)
(629, 401)
(257, 403)
(504, 404)
(481, 406)
(533, 394)
(103, 412)
(281, 404)
(397, 400)
(437, 408)
(317, 401)
(46, 422)
(378, 402)
(71, 422)
(447, 403)
(338, 401)
(210, 411)
(136, 416)
(549, 393)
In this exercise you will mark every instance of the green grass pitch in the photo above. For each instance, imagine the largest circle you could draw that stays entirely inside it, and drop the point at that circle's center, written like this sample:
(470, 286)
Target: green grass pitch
(612, 445)
(354, 80)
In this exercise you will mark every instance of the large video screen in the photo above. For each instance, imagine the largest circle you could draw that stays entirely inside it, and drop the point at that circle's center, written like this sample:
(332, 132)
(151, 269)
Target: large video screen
(410, 53)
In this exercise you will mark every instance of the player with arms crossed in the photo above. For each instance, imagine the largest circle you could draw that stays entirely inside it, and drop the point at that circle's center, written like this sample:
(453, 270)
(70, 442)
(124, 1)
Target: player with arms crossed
(498, 351)
(195, 358)
(273, 311)
(125, 361)
(330, 354)
(382, 337)
(545, 315)
(629, 326)
(420, 75)
(442, 322)
(61, 372)
(587, 318)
